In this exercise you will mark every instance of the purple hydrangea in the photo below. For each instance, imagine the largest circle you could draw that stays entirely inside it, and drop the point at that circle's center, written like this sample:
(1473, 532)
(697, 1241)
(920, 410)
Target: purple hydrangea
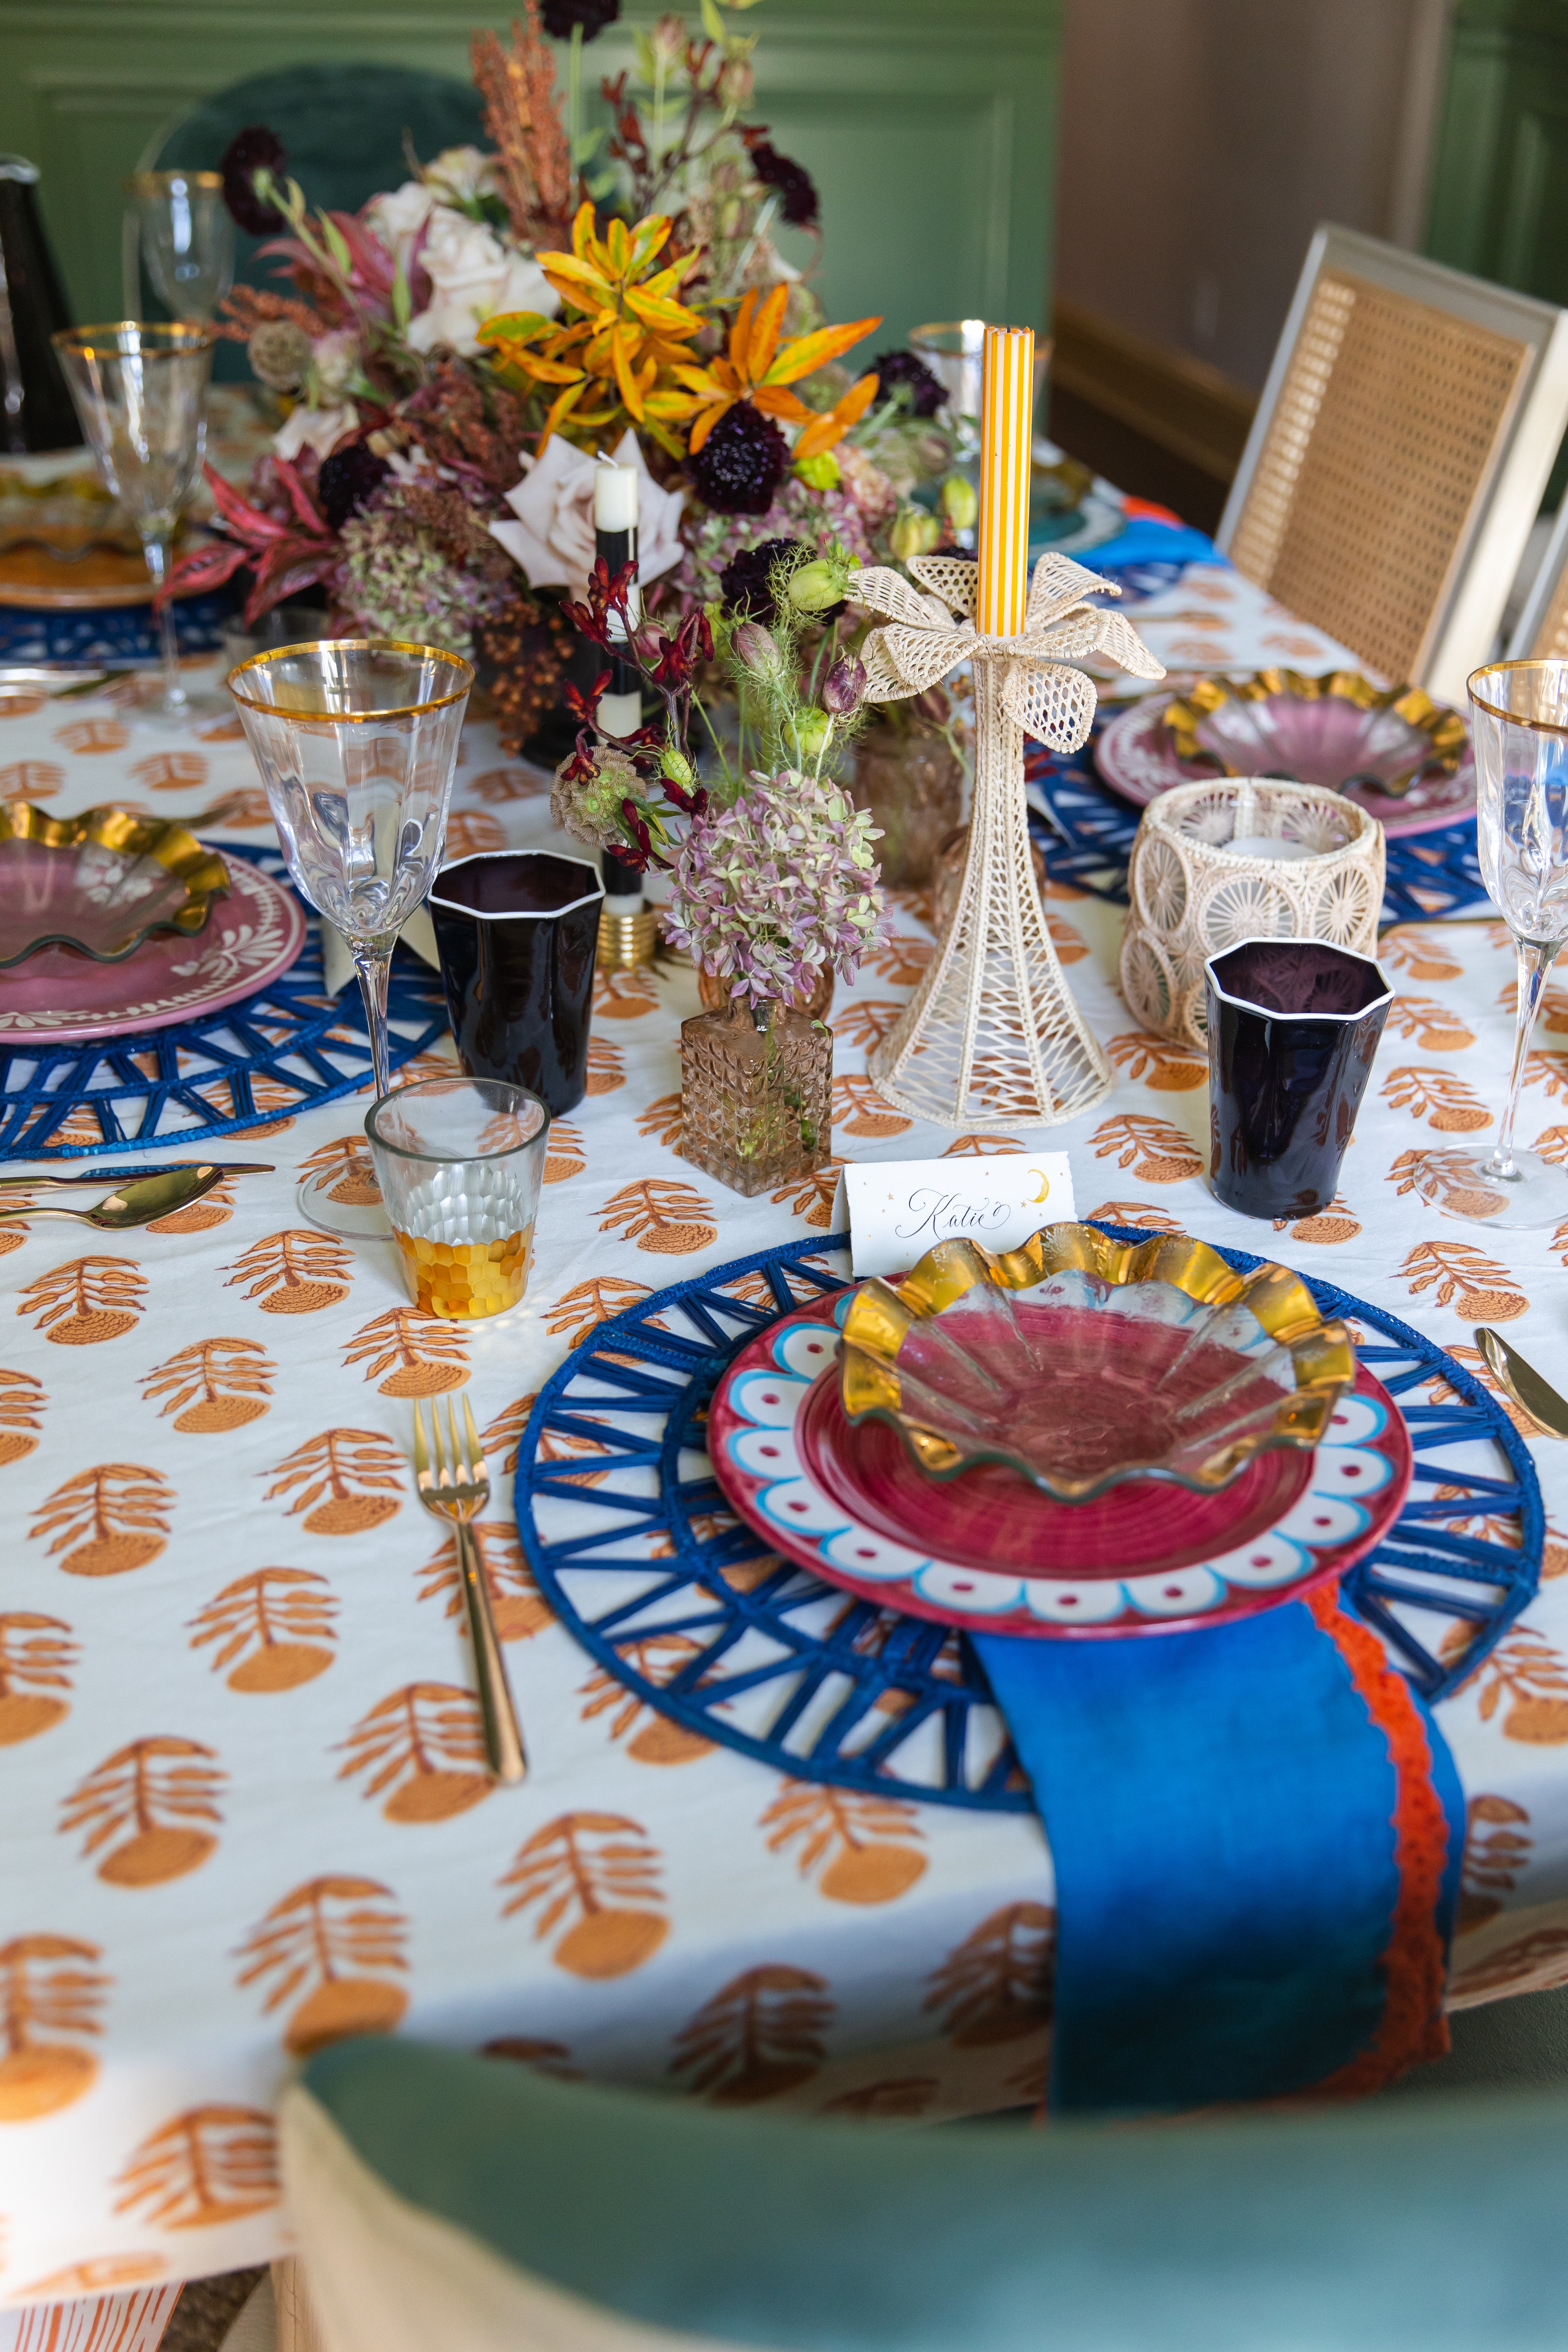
(771, 891)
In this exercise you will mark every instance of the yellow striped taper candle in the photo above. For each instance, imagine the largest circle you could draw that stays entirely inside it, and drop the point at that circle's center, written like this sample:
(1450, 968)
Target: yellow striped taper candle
(1006, 416)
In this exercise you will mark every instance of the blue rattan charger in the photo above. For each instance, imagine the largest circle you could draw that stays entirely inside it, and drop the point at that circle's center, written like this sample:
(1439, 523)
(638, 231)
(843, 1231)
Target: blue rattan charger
(634, 1546)
(1085, 833)
(286, 1049)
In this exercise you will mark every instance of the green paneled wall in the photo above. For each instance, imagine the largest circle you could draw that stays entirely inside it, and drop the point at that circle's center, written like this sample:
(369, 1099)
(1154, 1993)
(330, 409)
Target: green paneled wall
(1499, 194)
(929, 125)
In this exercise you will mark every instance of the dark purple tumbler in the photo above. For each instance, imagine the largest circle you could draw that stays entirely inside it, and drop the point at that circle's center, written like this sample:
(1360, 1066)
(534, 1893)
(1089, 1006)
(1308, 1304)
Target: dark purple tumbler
(517, 931)
(1293, 1026)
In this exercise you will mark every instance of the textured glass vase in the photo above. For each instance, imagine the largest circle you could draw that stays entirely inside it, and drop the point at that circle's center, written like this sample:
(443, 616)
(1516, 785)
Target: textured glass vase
(908, 777)
(755, 1103)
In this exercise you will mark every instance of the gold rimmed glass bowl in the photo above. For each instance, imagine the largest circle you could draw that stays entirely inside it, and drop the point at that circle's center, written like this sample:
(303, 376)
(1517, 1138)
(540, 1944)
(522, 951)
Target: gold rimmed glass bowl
(1080, 1362)
(99, 883)
(1338, 730)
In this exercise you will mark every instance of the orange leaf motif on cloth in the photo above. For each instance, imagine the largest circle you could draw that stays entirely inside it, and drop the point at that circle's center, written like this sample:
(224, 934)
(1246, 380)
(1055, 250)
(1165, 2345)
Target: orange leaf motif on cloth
(49, 1986)
(1163, 1064)
(214, 1385)
(869, 1845)
(347, 1158)
(812, 1196)
(1433, 1028)
(211, 2163)
(866, 1024)
(172, 771)
(760, 2035)
(22, 1400)
(1156, 1152)
(607, 1070)
(420, 1355)
(625, 995)
(1446, 1101)
(1337, 1223)
(36, 1655)
(520, 1608)
(278, 1623)
(293, 1273)
(424, 1744)
(581, 1310)
(661, 1119)
(107, 1519)
(859, 1110)
(659, 1658)
(599, 1871)
(662, 1215)
(901, 2099)
(507, 784)
(1423, 954)
(89, 737)
(87, 1300)
(1479, 1289)
(344, 1937)
(352, 1479)
(1496, 1851)
(1527, 1680)
(900, 960)
(564, 1155)
(996, 1985)
(157, 1790)
(1134, 1212)
(31, 780)
(1534, 1963)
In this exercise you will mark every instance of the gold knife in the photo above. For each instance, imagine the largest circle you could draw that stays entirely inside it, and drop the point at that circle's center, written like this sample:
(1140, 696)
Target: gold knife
(112, 1176)
(1534, 1395)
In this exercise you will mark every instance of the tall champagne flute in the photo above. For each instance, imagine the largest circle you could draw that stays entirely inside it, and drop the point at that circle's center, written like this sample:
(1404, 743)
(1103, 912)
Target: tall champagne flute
(140, 395)
(356, 738)
(186, 236)
(1520, 726)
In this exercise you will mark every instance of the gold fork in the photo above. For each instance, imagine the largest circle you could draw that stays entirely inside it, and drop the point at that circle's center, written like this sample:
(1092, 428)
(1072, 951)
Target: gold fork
(459, 1490)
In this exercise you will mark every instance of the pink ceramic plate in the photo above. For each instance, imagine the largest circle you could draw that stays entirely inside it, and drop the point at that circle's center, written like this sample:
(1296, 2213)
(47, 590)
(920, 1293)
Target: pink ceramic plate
(62, 998)
(1135, 756)
(987, 1550)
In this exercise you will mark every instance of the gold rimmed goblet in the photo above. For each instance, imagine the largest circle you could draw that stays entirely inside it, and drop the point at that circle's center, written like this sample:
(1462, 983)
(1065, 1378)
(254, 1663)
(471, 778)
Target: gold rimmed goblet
(1520, 727)
(356, 738)
(140, 391)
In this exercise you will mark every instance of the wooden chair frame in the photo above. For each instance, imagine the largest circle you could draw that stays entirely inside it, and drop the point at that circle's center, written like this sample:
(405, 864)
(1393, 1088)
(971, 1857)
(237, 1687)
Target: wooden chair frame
(1445, 632)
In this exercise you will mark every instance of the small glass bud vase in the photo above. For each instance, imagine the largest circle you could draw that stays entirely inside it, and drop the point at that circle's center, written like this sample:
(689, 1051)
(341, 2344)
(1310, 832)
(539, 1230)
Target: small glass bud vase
(906, 774)
(756, 1101)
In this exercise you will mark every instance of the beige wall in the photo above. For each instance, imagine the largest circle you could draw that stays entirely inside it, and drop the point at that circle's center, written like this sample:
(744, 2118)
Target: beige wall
(1203, 141)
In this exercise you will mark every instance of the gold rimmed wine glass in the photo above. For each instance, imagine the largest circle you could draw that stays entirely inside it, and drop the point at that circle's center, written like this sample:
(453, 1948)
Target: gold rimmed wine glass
(356, 738)
(140, 391)
(1520, 727)
(185, 236)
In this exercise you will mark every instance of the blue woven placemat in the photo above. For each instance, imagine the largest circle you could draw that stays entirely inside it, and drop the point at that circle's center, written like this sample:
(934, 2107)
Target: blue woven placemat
(633, 1543)
(288, 1048)
(111, 632)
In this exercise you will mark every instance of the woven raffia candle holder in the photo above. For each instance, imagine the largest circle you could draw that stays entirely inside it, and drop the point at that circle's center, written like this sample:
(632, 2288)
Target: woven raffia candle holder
(1193, 895)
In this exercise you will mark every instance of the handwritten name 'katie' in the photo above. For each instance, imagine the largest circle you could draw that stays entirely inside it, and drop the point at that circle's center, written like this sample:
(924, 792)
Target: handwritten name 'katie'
(932, 1215)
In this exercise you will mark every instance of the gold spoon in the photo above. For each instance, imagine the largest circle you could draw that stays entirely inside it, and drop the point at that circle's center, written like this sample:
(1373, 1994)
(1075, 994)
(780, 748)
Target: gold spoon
(138, 1202)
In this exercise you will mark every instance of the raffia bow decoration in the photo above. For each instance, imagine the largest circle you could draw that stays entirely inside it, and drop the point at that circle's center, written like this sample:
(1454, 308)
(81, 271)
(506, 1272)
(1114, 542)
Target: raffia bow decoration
(1038, 688)
(992, 1036)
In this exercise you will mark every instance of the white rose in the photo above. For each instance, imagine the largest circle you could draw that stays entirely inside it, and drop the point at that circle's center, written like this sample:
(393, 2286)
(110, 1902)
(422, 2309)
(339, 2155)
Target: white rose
(335, 357)
(397, 219)
(320, 429)
(463, 173)
(472, 276)
(553, 538)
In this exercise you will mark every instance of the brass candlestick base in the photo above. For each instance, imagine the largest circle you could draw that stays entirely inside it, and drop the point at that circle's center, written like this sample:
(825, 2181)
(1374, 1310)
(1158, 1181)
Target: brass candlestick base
(627, 939)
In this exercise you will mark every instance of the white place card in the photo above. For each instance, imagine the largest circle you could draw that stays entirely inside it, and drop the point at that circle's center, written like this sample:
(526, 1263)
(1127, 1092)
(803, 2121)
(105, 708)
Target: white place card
(901, 1208)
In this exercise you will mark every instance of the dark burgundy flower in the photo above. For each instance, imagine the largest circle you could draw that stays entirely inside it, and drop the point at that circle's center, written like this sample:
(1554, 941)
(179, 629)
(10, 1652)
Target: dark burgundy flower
(740, 465)
(798, 190)
(746, 585)
(243, 156)
(347, 480)
(561, 15)
(927, 392)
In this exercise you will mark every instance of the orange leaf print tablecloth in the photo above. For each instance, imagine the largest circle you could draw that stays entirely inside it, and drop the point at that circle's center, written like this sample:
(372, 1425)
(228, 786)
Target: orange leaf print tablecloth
(244, 1808)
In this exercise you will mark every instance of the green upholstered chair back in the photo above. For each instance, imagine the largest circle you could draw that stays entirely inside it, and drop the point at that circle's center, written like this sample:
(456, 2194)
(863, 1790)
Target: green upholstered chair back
(343, 129)
(478, 2206)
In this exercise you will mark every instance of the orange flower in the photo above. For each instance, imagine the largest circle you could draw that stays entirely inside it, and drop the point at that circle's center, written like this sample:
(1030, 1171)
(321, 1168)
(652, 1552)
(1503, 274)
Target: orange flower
(755, 369)
(616, 359)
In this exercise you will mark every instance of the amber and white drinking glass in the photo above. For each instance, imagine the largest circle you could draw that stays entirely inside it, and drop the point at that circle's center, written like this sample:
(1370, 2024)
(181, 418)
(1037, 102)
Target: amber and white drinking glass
(459, 1162)
(356, 740)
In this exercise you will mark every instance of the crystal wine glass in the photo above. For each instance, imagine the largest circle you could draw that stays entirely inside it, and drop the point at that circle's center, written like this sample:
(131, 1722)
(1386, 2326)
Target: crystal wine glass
(141, 395)
(356, 738)
(186, 238)
(1520, 727)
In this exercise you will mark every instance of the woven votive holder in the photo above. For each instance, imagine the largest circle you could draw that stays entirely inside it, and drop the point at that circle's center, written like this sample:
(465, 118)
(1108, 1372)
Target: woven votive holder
(1243, 859)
